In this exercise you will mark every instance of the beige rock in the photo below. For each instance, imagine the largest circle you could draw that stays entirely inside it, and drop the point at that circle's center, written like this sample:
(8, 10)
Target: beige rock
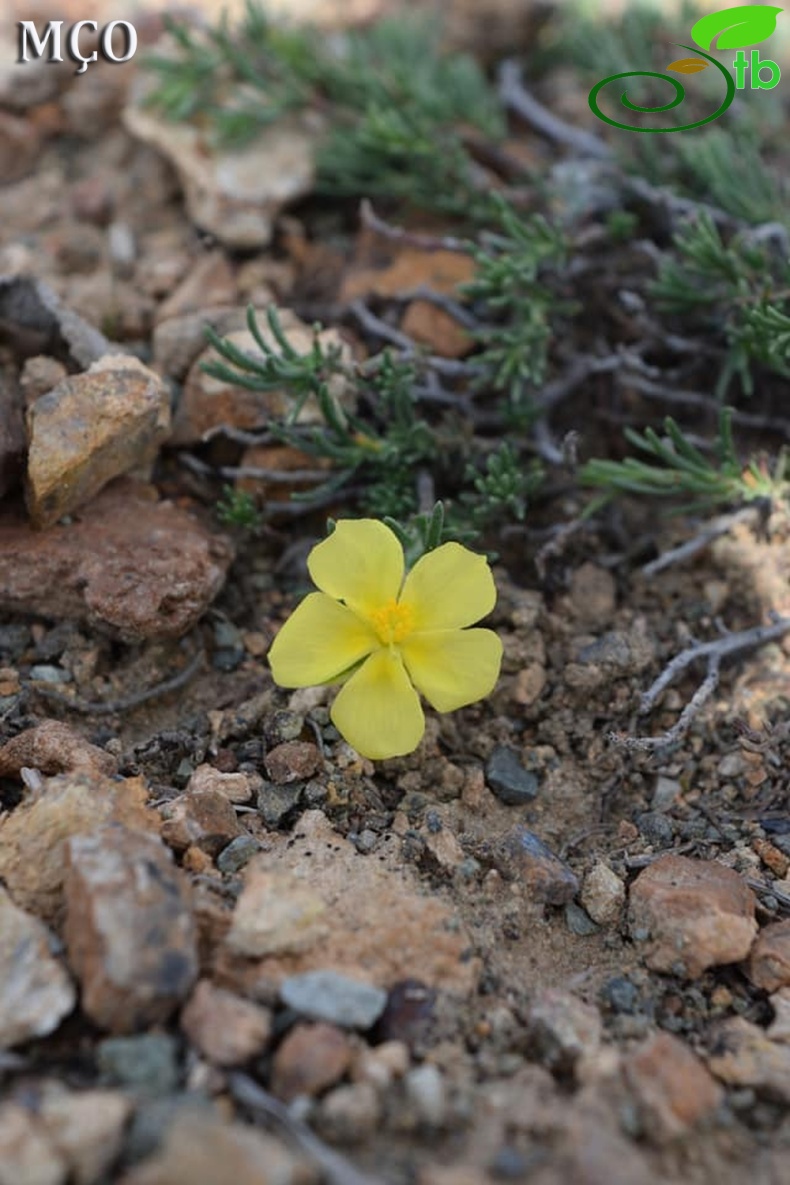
(365, 918)
(779, 1028)
(693, 914)
(86, 1128)
(35, 990)
(207, 402)
(140, 567)
(26, 1155)
(91, 428)
(350, 1114)
(129, 931)
(32, 837)
(277, 913)
(563, 1029)
(209, 282)
(672, 1087)
(745, 1055)
(310, 1059)
(52, 747)
(382, 1064)
(233, 194)
(603, 894)
(203, 818)
(236, 787)
(593, 595)
(40, 374)
(769, 962)
(227, 1029)
(202, 1150)
(177, 341)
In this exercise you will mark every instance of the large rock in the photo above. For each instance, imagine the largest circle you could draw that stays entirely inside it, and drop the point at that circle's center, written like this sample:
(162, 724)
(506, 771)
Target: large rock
(145, 569)
(32, 837)
(129, 930)
(693, 914)
(234, 194)
(51, 747)
(35, 990)
(91, 428)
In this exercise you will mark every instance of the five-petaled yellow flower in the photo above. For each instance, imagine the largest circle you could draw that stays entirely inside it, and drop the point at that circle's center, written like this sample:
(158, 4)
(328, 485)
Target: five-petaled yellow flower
(386, 638)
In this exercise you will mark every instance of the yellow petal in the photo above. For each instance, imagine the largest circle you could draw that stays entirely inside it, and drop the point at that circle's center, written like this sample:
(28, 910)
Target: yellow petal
(449, 588)
(453, 667)
(378, 711)
(318, 642)
(360, 563)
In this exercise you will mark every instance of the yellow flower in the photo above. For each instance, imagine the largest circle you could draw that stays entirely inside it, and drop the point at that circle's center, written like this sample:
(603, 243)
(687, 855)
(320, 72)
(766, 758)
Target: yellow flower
(386, 639)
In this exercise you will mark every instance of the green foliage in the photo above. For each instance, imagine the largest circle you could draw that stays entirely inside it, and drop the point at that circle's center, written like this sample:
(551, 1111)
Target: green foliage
(675, 468)
(394, 103)
(740, 291)
(502, 490)
(236, 508)
(514, 298)
(752, 192)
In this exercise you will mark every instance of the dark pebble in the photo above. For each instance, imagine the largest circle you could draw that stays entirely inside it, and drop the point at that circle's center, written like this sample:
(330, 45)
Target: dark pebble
(621, 995)
(228, 660)
(407, 1014)
(579, 921)
(237, 853)
(656, 829)
(146, 1064)
(507, 778)
(277, 803)
(153, 1117)
(522, 856)
(14, 641)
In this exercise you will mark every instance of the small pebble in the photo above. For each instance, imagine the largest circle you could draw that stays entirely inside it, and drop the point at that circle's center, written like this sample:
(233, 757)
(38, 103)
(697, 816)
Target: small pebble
(237, 853)
(146, 1064)
(507, 778)
(579, 921)
(621, 995)
(277, 803)
(656, 829)
(335, 998)
(426, 1089)
(45, 673)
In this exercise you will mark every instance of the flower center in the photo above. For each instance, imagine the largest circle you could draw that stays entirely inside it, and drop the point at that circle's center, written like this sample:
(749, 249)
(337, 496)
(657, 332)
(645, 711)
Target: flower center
(392, 622)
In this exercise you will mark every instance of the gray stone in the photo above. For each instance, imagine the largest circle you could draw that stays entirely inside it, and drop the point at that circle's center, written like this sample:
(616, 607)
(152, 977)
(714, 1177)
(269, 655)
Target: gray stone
(507, 778)
(45, 673)
(335, 998)
(656, 829)
(237, 853)
(579, 921)
(275, 803)
(35, 990)
(146, 1064)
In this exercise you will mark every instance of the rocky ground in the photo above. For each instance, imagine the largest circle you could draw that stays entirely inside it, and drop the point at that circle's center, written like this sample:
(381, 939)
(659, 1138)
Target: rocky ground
(233, 950)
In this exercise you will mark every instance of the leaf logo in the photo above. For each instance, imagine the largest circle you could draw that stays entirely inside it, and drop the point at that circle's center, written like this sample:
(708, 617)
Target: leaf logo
(747, 24)
(688, 65)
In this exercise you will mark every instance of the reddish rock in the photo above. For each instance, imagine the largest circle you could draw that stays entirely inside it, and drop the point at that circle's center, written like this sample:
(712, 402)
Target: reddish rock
(310, 1059)
(292, 761)
(769, 962)
(438, 330)
(693, 914)
(203, 818)
(522, 857)
(227, 1029)
(32, 837)
(146, 569)
(51, 747)
(91, 428)
(35, 990)
(129, 930)
(672, 1087)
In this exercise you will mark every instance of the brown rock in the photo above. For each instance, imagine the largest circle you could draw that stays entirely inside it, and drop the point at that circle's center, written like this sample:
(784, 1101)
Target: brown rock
(278, 461)
(694, 914)
(234, 194)
(350, 1114)
(410, 268)
(32, 837)
(52, 747)
(593, 595)
(35, 990)
(227, 1029)
(672, 1087)
(20, 145)
(26, 1155)
(210, 282)
(236, 787)
(91, 428)
(433, 327)
(368, 919)
(129, 931)
(202, 1150)
(206, 402)
(145, 569)
(85, 1128)
(563, 1029)
(204, 818)
(769, 962)
(292, 761)
(310, 1059)
(520, 856)
(744, 1055)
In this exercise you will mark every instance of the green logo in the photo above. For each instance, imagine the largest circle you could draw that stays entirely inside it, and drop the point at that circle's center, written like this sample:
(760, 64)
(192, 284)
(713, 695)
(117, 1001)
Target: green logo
(735, 28)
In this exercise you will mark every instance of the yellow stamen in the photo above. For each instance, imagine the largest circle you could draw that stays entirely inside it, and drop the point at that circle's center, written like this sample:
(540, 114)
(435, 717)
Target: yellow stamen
(393, 622)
